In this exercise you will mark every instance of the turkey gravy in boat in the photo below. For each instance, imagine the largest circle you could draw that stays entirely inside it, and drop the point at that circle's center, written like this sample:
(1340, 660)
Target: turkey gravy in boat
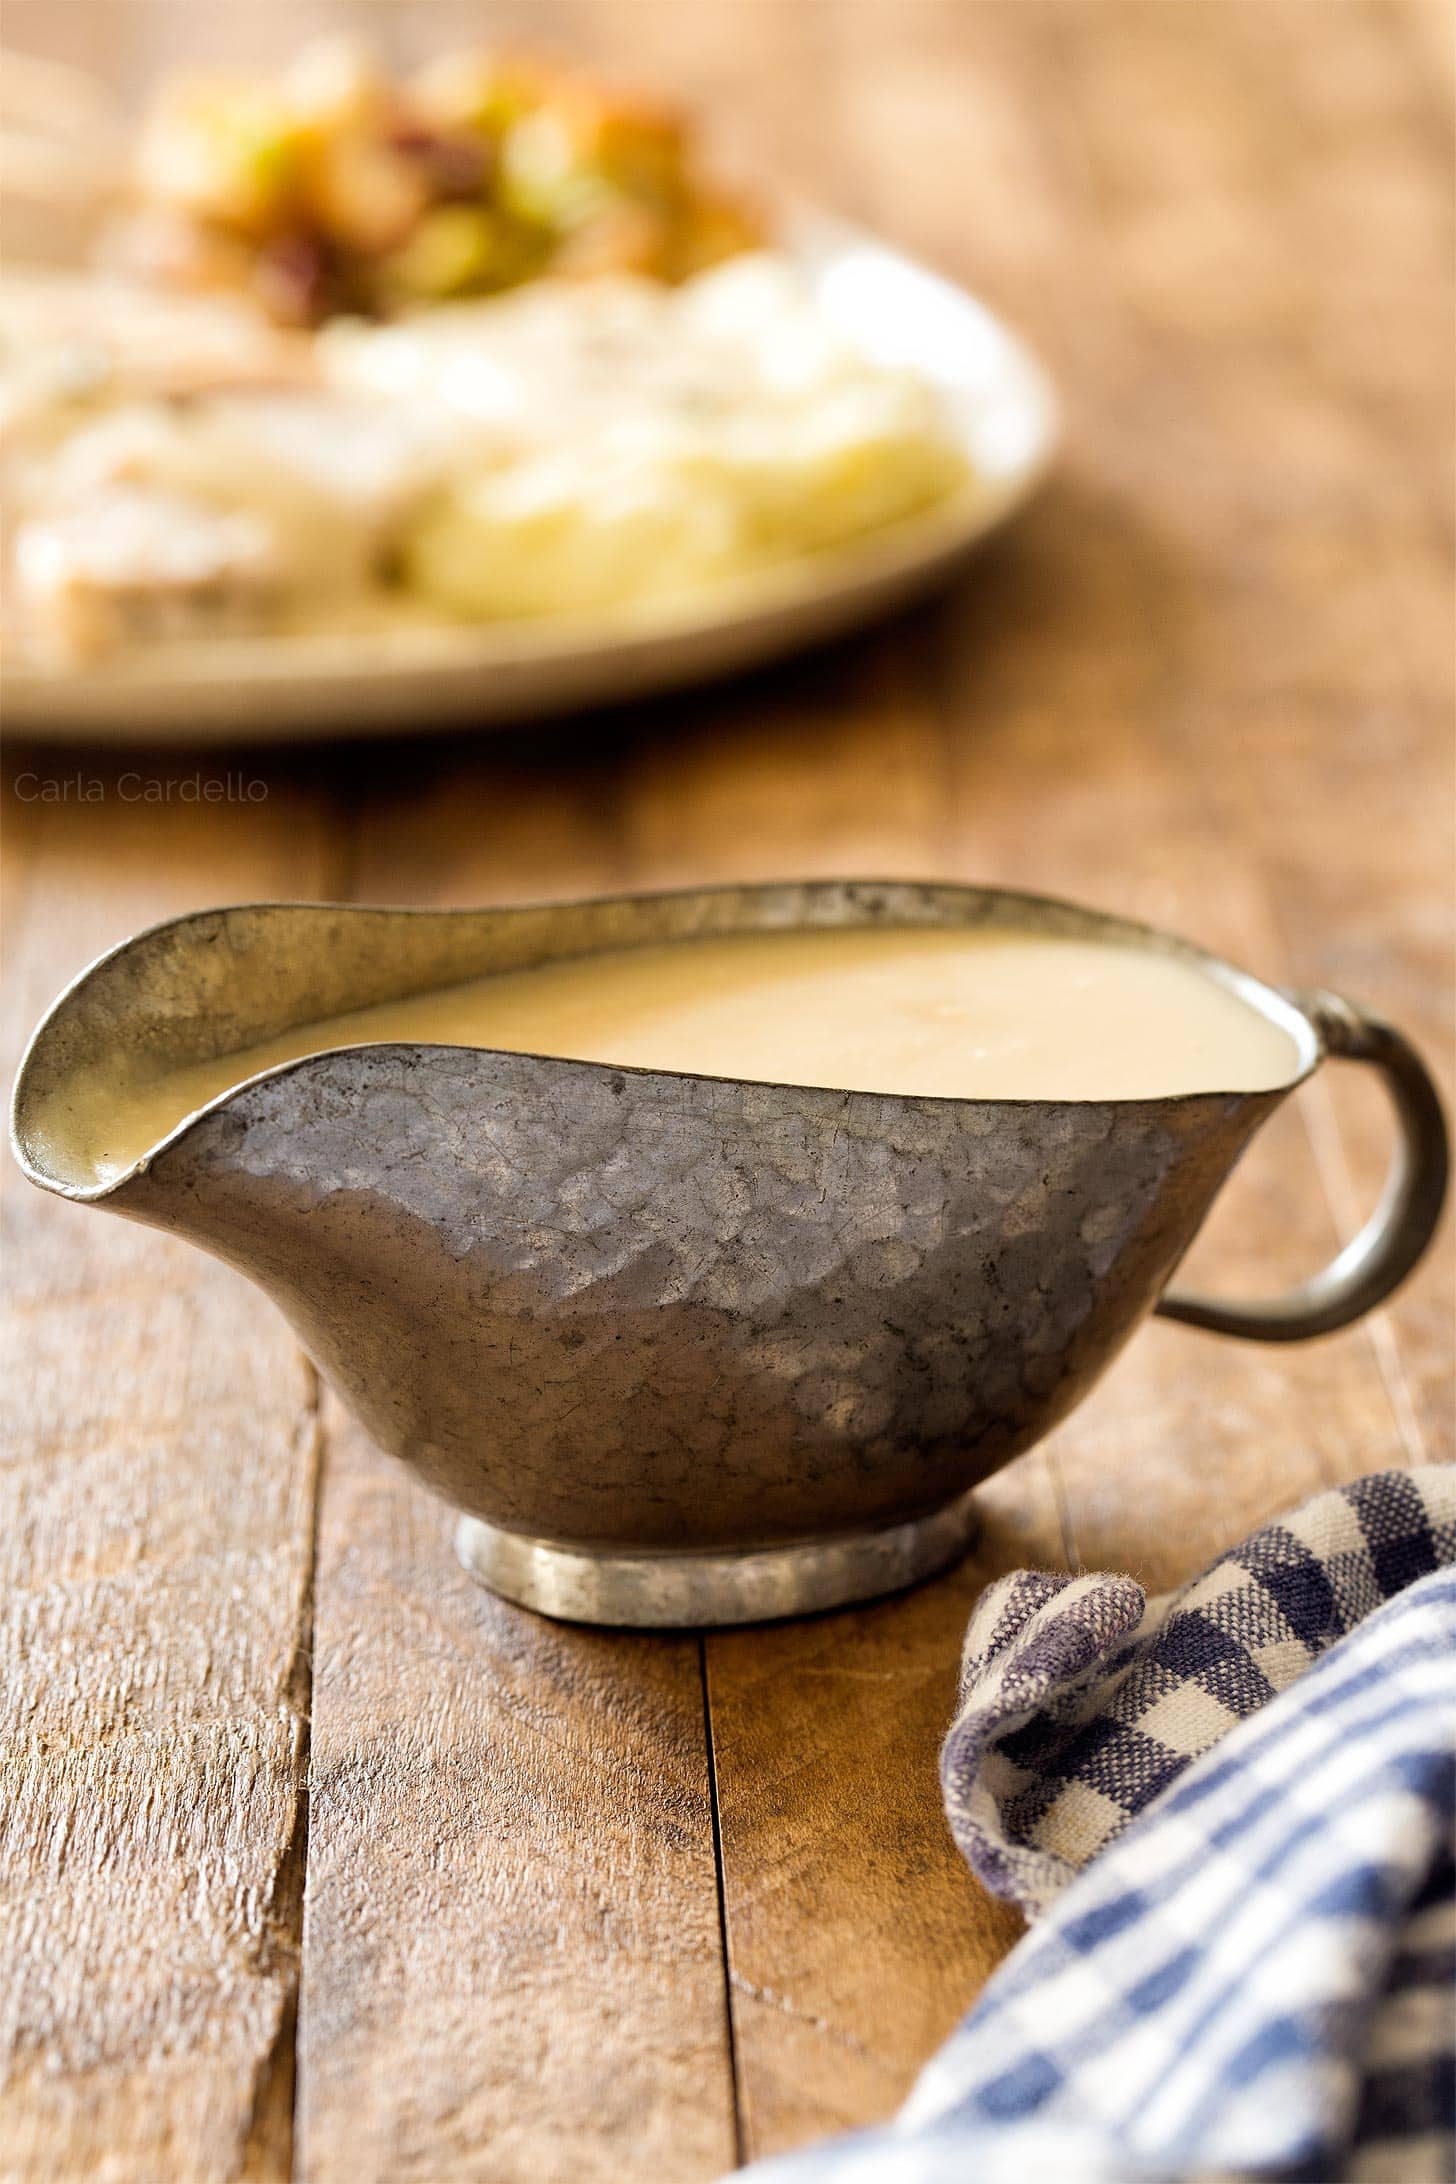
(968, 1013)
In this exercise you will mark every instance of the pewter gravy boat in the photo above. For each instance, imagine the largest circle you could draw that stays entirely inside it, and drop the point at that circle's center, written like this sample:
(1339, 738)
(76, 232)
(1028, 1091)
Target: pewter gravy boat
(683, 1349)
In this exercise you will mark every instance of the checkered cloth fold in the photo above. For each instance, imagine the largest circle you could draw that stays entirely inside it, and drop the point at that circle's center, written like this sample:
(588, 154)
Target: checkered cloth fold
(1253, 1976)
(1081, 1700)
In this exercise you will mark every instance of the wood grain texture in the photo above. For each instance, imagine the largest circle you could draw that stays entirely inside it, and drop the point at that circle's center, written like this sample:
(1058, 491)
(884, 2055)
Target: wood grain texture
(1208, 681)
(158, 1480)
(855, 1936)
(512, 1935)
(513, 1961)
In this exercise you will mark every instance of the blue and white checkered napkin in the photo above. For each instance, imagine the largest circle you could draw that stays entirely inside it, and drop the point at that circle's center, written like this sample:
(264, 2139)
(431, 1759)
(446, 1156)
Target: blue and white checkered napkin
(1253, 1976)
(1081, 1699)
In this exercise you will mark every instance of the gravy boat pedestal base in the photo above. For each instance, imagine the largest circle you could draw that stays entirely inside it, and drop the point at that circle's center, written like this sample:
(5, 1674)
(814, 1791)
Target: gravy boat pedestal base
(746, 1585)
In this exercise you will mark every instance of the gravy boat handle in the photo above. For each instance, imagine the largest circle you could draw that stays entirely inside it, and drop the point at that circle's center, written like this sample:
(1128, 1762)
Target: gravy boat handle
(1375, 1261)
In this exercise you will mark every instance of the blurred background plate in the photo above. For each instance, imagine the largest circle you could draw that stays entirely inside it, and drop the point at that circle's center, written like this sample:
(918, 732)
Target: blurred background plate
(271, 689)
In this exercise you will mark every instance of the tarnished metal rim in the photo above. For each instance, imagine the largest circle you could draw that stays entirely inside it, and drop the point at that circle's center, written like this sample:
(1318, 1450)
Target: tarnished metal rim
(1273, 1002)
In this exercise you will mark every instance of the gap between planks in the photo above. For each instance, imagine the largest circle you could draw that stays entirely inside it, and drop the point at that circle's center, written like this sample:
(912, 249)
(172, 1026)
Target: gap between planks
(725, 1944)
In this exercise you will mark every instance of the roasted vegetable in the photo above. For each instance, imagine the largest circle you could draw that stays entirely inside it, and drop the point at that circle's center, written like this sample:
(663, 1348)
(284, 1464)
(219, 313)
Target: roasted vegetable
(335, 189)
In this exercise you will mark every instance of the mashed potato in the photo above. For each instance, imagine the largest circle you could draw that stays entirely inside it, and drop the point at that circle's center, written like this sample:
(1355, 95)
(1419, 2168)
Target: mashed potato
(634, 443)
(570, 448)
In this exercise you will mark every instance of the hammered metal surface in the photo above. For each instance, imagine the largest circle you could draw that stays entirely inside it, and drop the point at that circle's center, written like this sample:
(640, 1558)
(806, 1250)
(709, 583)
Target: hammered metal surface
(671, 1312)
(623, 1309)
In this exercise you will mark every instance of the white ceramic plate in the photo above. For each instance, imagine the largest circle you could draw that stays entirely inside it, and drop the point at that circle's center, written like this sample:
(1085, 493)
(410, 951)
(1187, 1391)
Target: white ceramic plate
(271, 689)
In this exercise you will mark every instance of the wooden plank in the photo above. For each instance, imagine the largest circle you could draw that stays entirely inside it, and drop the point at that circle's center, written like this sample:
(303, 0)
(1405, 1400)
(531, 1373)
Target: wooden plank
(855, 1935)
(1320, 644)
(513, 1952)
(1192, 1439)
(1324, 661)
(1358, 690)
(832, 1894)
(703, 788)
(159, 1472)
(513, 1966)
(1170, 686)
(1070, 761)
(696, 789)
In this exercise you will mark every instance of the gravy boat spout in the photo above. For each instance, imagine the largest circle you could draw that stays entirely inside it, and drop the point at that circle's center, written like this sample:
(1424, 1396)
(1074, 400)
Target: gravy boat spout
(680, 1349)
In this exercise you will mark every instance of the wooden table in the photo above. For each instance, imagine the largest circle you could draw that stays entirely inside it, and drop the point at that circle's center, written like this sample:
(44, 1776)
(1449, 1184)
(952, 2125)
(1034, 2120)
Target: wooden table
(319, 1860)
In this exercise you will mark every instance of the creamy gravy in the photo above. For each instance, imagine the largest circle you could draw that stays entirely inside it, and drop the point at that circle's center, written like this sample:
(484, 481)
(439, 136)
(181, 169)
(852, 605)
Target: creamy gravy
(978, 1014)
